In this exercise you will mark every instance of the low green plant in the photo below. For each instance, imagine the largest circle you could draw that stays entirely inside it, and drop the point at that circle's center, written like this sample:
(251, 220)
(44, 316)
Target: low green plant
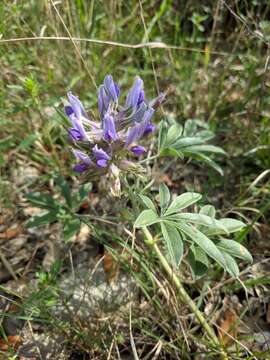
(63, 209)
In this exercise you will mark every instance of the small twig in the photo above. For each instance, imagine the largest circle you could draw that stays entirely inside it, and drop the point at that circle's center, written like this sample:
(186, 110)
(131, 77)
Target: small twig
(33, 337)
(132, 342)
(7, 265)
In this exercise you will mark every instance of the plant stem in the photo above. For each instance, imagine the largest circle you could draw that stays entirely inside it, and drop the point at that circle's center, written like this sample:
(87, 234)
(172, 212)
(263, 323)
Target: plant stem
(182, 292)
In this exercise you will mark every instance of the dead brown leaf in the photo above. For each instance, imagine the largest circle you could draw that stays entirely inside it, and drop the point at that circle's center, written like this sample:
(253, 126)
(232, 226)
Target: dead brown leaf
(11, 232)
(111, 267)
(12, 341)
(228, 327)
(160, 178)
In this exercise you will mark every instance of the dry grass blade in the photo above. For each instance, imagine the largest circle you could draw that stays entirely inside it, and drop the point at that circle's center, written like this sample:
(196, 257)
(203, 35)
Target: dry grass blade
(151, 45)
(75, 45)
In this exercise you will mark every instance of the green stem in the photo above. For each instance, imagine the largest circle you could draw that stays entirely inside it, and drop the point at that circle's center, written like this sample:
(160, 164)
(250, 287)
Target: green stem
(149, 158)
(182, 292)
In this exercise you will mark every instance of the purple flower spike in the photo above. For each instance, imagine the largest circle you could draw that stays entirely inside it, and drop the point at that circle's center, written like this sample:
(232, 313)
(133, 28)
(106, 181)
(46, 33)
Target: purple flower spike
(109, 131)
(138, 150)
(111, 87)
(75, 134)
(136, 94)
(149, 129)
(80, 168)
(101, 147)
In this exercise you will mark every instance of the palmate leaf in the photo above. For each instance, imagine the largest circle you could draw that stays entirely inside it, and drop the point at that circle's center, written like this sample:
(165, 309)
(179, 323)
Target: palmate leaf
(177, 226)
(192, 127)
(190, 141)
(174, 243)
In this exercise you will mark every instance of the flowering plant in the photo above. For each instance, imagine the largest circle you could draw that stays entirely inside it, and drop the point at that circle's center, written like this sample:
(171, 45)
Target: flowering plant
(108, 147)
(102, 147)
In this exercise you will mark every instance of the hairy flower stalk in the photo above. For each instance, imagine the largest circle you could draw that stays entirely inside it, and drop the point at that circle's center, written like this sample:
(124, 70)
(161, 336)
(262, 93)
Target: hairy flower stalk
(104, 147)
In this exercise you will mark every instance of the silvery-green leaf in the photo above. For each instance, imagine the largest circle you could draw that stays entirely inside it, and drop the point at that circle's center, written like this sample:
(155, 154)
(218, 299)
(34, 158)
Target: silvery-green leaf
(182, 201)
(174, 243)
(231, 265)
(162, 135)
(235, 249)
(183, 142)
(231, 225)
(174, 132)
(164, 196)
(208, 210)
(197, 260)
(148, 202)
(206, 159)
(207, 148)
(146, 218)
(191, 126)
(169, 151)
(203, 242)
(200, 219)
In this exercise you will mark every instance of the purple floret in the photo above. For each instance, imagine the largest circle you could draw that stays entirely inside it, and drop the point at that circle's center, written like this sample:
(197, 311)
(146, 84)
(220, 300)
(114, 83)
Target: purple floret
(80, 168)
(138, 150)
(109, 131)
